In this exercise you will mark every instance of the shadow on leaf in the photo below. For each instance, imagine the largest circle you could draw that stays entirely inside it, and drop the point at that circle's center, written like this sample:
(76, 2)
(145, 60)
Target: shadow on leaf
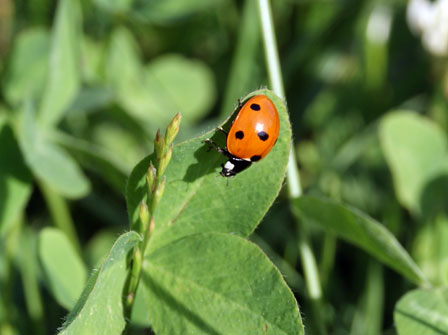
(434, 197)
(207, 161)
(173, 304)
(13, 168)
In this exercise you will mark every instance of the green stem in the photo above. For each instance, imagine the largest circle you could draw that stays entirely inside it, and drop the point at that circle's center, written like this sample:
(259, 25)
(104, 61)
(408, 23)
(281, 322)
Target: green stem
(275, 78)
(309, 263)
(28, 269)
(133, 280)
(243, 70)
(270, 48)
(293, 178)
(60, 214)
(328, 253)
(368, 317)
(12, 244)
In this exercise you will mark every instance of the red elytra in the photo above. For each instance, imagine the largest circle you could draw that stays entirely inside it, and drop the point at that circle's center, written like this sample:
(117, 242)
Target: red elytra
(254, 130)
(252, 135)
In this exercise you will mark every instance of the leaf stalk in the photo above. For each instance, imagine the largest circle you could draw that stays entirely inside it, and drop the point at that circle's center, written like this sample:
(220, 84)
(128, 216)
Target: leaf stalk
(293, 178)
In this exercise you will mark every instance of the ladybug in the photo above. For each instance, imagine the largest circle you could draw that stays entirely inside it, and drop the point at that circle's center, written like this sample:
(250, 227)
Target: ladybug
(252, 135)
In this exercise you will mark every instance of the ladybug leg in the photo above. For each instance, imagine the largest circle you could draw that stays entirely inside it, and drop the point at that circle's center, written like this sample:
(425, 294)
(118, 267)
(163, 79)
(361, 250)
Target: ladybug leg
(221, 130)
(240, 104)
(217, 148)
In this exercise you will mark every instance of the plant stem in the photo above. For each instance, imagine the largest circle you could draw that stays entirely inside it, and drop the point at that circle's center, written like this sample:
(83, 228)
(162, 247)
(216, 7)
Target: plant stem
(132, 282)
(293, 179)
(243, 70)
(155, 183)
(133, 279)
(275, 78)
(309, 263)
(270, 48)
(10, 247)
(28, 269)
(327, 258)
(368, 317)
(60, 214)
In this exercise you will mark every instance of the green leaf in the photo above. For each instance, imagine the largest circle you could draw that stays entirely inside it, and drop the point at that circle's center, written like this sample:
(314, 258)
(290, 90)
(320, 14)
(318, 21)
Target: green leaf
(28, 264)
(114, 6)
(217, 284)
(48, 161)
(64, 72)
(415, 150)
(178, 84)
(98, 247)
(167, 85)
(120, 143)
(430, 250)
(197, 199)
(423, 312)
(106, 163)
(90, 99)
(93, 52)
(167, 11)
(123, 56)
(28, 67)
(65, 272)
(360, 230)
(129, 80)
(100, 308)
(283, 263)
(15, 179)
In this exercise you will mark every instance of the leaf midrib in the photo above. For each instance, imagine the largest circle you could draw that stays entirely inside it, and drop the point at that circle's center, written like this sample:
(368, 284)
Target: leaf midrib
(187, 201)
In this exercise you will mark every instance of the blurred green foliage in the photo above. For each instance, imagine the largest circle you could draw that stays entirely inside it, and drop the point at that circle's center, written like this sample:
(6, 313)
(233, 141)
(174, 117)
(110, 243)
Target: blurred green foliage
(84, 85)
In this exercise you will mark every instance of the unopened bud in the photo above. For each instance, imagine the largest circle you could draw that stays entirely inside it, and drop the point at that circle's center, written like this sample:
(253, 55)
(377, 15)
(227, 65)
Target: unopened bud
(173, 129)
(151, 226)
(159, 145)
(159, 192)
(150, 178)
(143, 214)
(164, 161)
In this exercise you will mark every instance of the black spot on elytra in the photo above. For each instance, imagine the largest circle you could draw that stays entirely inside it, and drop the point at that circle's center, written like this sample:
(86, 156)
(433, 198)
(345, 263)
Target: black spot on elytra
(255, 158)
(239, 135)
(263, 135)
(255, 107)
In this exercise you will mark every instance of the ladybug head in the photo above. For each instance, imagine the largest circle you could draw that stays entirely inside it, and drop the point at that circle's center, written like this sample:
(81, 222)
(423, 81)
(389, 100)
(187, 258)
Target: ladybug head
(233, 166)
(228, 169)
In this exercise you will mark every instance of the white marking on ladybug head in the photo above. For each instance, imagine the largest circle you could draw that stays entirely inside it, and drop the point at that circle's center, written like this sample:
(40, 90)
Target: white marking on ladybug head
(229, 165)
